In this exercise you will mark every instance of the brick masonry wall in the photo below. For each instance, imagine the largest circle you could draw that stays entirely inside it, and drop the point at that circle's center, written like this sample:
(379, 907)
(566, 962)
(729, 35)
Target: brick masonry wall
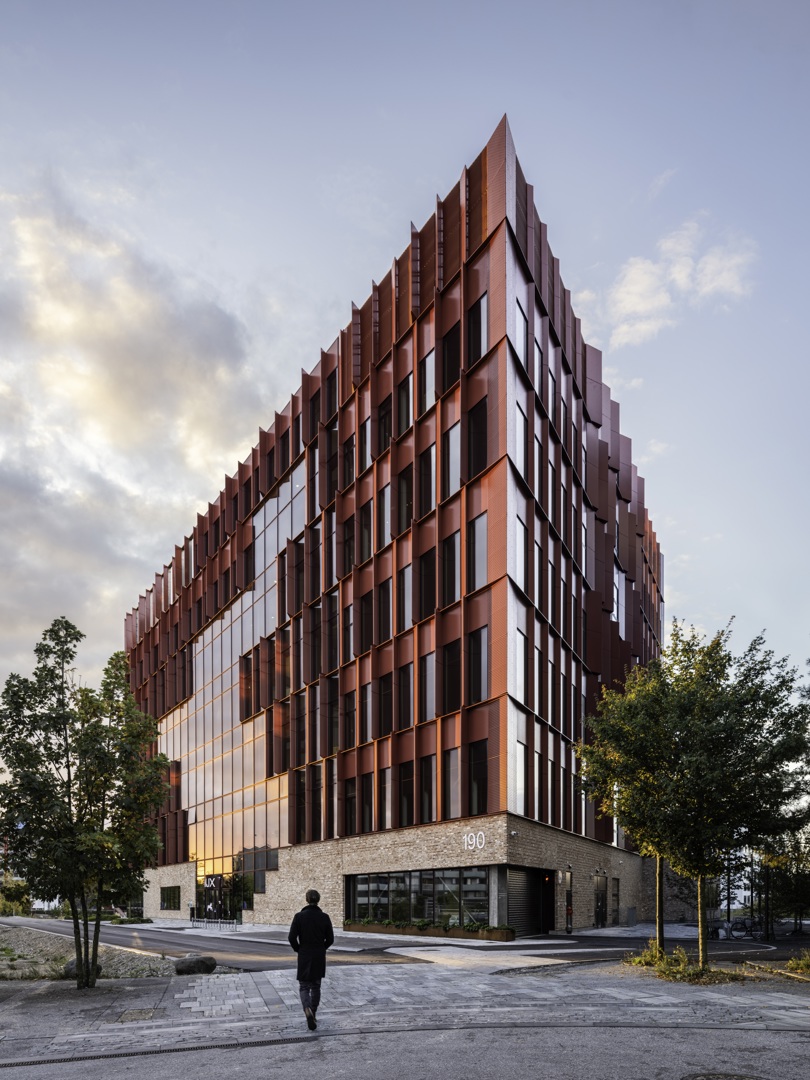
(324, 865)
(184, 875)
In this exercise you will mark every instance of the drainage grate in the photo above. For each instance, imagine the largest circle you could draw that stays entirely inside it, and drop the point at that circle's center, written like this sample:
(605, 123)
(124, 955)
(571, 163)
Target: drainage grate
(721, 1076)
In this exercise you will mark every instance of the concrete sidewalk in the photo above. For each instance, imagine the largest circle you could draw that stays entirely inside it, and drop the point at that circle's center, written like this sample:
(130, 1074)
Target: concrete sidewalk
(452, 988)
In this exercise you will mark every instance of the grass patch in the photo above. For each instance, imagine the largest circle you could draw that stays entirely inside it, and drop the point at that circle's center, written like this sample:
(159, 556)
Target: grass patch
(677, 966)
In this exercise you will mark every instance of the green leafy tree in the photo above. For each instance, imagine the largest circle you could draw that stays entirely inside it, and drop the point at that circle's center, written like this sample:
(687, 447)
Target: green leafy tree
(700, 753)
(80, 783)
(789, 864)
(14, 896)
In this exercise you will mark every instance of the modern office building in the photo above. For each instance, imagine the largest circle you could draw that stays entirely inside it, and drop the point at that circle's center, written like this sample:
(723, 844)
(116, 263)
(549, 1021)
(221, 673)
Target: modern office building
(372, 656)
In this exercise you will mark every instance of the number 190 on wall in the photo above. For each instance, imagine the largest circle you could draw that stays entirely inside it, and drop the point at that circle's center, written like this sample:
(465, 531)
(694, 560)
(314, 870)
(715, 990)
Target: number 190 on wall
(474, 841)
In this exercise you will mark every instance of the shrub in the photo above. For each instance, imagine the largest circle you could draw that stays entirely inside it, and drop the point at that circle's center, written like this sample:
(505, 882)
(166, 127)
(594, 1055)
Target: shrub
(678, 967)
(800, 963)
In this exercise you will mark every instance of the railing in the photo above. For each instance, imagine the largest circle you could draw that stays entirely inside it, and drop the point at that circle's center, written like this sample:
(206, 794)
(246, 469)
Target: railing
(216, 924)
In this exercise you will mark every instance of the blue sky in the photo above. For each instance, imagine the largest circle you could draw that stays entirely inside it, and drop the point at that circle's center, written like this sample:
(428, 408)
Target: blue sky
(192, 195)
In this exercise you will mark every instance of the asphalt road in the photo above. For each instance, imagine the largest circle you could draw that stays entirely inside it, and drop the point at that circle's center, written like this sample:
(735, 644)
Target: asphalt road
(267, 950)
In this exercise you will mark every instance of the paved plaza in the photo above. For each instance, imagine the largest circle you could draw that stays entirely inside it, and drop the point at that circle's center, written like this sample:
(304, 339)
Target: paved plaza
(447, 989)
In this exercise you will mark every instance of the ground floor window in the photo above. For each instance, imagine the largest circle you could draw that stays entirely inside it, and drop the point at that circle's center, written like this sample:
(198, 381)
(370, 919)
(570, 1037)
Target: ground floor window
(170, 898)
(452, 897)
(225, 896)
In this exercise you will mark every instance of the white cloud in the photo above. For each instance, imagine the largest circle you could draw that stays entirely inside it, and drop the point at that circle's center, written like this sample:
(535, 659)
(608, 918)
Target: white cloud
(659, 183)
(723, 271)
(655, 448)
(652, 294)
(618, 383)
(127, 391)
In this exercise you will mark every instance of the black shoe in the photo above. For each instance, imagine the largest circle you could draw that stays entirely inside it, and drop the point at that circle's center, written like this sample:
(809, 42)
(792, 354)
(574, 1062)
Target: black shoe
(312, 1023)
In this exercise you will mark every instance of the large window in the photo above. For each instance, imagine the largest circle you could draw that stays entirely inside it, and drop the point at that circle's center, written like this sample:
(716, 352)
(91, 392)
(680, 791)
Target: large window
(426, 383)
(522, 666)
(384, 425)
(404, 499)
(427, 788)
(451, 461)
(451, 356)
(406, 793)
(405, 697)
(404, 404)
(404, 599)
(451, 676)
(477, 553)
(521, 334)
(386, 685)
(521, 442)
(477, 331)
(383, 516)
(427, 480)
(332, 631)
(350, 807)
(349, 720)
(521, 555)
(365, 713)
(170, 898)
(366, 621)
(348, 634)
(451, 789)
(348, 545)
(427, 687)
(384, 610)
(384, 800)
(477, 759)
(365, 519)
(427, 583)
(478, 660)
(477, 438)
(366, 802)
(348, 461)
(449, 897)
(451, 569)
(364, 446)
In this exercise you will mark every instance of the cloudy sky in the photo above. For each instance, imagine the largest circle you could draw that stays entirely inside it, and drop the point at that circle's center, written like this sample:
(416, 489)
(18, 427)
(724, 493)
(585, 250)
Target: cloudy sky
(192, 192)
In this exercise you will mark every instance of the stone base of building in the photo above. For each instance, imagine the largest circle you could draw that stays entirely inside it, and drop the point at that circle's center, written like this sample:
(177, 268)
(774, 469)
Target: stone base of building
(518, 873)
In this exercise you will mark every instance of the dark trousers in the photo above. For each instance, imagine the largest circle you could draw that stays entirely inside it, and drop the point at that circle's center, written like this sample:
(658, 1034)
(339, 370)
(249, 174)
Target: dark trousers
(310, 994)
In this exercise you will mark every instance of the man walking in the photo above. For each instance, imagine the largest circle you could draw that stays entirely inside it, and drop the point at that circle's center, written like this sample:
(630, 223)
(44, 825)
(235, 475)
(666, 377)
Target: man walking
(311, 935)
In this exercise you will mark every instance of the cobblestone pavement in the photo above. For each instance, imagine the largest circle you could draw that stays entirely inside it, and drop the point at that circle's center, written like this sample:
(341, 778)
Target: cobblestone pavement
(456, 988)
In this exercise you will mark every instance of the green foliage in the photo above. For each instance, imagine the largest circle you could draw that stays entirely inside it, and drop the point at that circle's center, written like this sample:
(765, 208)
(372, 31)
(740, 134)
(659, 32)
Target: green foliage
(678, 967)
(701, 752)
(789, 862)
(800, 963)
(80, 783)
(649, 957)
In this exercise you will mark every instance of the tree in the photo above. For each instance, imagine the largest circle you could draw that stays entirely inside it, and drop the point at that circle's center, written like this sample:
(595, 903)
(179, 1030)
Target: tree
(700, 753)
(790, 877)
(80, 783)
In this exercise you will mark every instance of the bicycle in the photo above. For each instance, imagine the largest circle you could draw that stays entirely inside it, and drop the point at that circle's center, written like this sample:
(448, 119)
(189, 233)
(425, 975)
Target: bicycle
(747, 928)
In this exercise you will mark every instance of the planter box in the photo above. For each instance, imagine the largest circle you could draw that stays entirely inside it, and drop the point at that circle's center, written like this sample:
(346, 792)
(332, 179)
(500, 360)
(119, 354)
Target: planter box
(431, 931)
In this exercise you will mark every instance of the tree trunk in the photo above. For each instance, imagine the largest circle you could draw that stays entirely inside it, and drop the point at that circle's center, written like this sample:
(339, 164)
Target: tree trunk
(86, 943)
(77, 942)
(703, 930)
(96, 931)
(659, 904)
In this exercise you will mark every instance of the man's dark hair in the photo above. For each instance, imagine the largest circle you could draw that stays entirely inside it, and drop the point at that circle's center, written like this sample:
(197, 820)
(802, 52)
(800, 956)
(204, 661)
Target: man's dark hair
(313, 896)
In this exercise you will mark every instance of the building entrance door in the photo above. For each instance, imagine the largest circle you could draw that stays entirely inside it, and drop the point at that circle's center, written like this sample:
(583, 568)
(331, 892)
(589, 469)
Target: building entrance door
(530, 895)
(212, 897)
(600, 900)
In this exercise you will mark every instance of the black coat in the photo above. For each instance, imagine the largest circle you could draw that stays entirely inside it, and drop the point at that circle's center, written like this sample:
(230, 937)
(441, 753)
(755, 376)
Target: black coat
(311, 935)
